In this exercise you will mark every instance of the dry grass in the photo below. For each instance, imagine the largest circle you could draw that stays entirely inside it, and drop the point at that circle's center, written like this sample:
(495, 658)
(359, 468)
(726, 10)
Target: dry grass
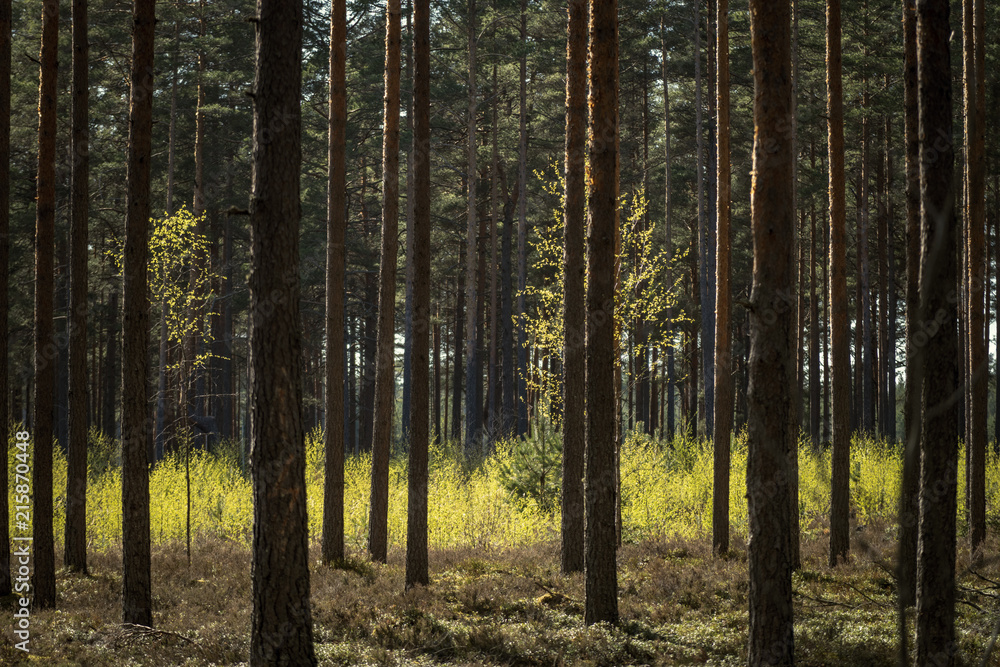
(498, 607)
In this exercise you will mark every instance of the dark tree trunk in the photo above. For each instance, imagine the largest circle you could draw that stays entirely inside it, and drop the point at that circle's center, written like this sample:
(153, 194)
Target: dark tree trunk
(937, 357)
(706, 253)
(281, 621)
(840, 334)
(723, 335)
(508, 356)
(75, 553)
(44, 578)
(575, 349)
(471, 255)
(385, 359)
(333, 486)
(459, 373)
(416, 524)
(137, 596)
(668, 240)
(5, 415)
(772, 357)
(814, 352)
(602, 208)
(522, 233)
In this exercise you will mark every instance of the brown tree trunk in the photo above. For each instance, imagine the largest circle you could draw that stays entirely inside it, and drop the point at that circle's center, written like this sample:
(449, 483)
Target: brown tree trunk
(281, 621)
(471, 254)
(909, 500)
(772, 358)
(385, 357)
(44, 578)
(416, 523)
(600, 559)
(333, 486)
(723, 338)
(75, 552)
(5, 49)
(839, 334)
(137, 596)
(575, 351)
(667, 227)
(814, 378)
(978, 369)
(937, 357)
(520, 340)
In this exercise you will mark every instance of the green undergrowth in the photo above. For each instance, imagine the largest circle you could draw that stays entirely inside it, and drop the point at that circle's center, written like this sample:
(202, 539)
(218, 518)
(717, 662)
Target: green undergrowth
(509, 498)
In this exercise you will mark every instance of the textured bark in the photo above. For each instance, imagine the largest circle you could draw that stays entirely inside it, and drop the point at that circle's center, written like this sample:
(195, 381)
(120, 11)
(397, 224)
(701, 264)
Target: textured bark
(281, 620)
(909, 500)
(520, 340)
(575, 351)
(772, 358)
(508, 357)
(882, 250)
(706, 254)
(385, 358)
(814, 379)
(493, 403)
(5, 39)
(44, 577)
(458, 371)
(600, 557)
(416, 525)
(937, 357)
(978, 369)
(667, 227)
(867, 399)
(75, 552)
(408, 276)
(839, 334)
(723, 336)
(136, 592)
(333, 485)
(471, 255)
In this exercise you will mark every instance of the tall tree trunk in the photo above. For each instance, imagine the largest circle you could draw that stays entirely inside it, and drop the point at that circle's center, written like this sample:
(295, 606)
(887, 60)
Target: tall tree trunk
(575, 350)
(111, 374)
(839, 334)
(723, 338)
(867, 388)
(471, 254)
(493, 374)
(890, 240)
(978, 369)
(508, 357)
(772, 359)
(44, 578)
(600, 557)
(385, 358)
(5, 415)
(883, 292)
(437, 374)
(667, 227)
(522, 232)
(136, 592)
(459, 373)
(333, 485)
(416, 525)
(814, 378)
(936, 358)
(408, 289)
(706, 254)
(75, 552)
(280, 571)
(909, 500)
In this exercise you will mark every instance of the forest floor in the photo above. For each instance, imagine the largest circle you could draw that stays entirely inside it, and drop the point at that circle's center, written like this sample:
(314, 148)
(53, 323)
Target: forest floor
(678, 605)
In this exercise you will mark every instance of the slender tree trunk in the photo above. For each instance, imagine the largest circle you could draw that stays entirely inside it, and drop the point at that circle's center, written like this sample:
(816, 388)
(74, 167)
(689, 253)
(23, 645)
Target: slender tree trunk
(437, 374)
(416, 525)
(772, 359)
(75, 552)
(883, 297)
(522, 232)
(600, 557)
(574, 325)
(44, 579)
(706, 255)
(936, 359)
(723, 338)
(867, 389)
(136, 592)
(909, 500)
(333, 485)
(890, 352)
(814, 352)
(978, 369)
(385, 358)
(840, 334)
(408, 294)
(281, 620)
(508, 359)
(471, 254)
(5, 415)
(459, 373)
(493, 387)
(668, 240)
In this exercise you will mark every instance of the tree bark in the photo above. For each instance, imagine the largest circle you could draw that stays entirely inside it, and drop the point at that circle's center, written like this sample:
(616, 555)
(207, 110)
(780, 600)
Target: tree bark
(705, 252)
(385, 357)
(75, 552)
(937, 357)
(521, 341)
(281, 620)
(574, 325)
(471, 254)
(814, 352)
(44, 577)
(5, 60)
(772, 358)
(333, 486)
(136, 592)
(840, 334)
(416, 526)
(723, 337)
(600, 559)
(667, 227)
